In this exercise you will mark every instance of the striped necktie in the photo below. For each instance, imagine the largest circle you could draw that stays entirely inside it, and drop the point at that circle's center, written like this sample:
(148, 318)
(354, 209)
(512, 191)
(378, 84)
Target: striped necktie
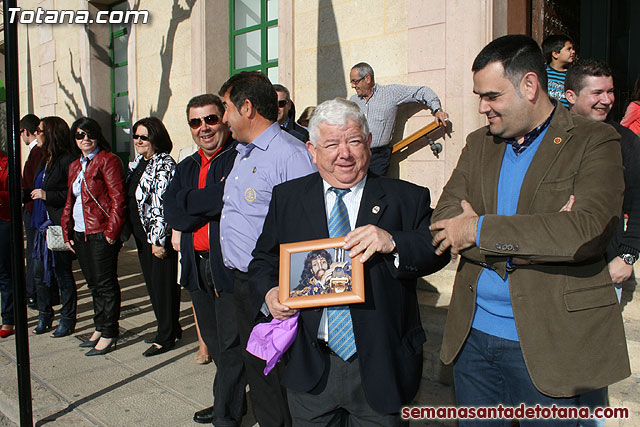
(341, 339)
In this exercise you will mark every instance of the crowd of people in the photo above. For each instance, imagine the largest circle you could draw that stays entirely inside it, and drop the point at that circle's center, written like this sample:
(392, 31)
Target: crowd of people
(541, 237)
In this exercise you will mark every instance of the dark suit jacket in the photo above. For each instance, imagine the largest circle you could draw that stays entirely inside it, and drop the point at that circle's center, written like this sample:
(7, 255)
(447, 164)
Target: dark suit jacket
(565, 308)
(387, 327)
(187, 208)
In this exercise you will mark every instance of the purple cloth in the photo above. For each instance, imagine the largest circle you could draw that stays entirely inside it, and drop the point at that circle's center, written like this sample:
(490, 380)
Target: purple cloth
(269, 341)
(272, 158)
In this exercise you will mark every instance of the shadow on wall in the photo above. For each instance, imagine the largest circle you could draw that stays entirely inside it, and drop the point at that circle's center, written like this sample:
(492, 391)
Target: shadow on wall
(179, 14)
(330, 70)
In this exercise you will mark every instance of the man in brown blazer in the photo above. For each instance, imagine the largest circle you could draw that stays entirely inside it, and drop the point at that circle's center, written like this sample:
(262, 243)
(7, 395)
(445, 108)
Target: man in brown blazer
(530, 208)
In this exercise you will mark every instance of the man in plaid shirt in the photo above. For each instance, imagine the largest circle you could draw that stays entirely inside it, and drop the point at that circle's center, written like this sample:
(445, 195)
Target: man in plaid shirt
(380, 104)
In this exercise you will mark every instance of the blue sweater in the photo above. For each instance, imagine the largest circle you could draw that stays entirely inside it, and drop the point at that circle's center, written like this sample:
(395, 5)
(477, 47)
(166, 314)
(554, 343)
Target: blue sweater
(494, 313)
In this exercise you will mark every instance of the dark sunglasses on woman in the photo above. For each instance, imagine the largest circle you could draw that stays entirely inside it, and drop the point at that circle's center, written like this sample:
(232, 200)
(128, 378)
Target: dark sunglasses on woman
(81, 134)
(196, 122)
(141, 137)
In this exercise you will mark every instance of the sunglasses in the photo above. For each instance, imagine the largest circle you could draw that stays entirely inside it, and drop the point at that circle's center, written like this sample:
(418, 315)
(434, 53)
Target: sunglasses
(81, 134)
(282, 103)
(141, 137)
(356, 81)
(196, 122)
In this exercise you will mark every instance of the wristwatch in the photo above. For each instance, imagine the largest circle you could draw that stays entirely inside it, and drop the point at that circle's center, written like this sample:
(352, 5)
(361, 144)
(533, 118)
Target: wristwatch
(629, 258)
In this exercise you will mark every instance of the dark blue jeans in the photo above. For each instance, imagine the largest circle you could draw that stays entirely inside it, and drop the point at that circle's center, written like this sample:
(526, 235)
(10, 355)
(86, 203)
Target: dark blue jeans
(6, 287)
(68, 294)
(490, 371)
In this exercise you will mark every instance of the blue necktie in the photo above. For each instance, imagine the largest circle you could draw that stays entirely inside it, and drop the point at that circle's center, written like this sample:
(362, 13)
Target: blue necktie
(341, 339)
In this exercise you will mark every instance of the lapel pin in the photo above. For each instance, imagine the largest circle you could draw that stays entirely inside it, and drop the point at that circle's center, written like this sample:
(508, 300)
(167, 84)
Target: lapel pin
(254, 169)
(375, 209)
(557, 140)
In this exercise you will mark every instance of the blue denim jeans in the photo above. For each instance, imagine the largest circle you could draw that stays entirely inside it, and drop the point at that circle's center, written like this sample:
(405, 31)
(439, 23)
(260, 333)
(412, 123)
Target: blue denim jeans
(66, 284)
(6, 287)
(490, 371)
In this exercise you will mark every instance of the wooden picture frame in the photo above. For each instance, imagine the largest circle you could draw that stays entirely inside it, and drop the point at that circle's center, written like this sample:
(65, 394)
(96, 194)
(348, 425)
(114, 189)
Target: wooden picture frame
(341, 279)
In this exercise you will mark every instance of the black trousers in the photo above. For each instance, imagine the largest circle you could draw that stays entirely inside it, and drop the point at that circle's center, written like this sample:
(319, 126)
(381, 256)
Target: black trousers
(47, 295)
(161, 278)
(380, 160)
(99, 263)
(268, 397)
(217, 321)
(341, 402)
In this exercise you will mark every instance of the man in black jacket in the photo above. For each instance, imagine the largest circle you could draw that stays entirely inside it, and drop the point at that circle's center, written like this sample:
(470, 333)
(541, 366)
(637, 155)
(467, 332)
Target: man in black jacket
(192, 205)
(590, 92)
(358, 363)
(287, 114)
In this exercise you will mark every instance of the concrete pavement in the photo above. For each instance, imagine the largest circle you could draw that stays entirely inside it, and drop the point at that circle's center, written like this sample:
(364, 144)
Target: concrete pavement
(125, 389)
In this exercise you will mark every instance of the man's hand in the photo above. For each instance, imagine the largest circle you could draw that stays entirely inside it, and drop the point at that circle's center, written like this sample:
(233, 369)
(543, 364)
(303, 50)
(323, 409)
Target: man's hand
(38, 194)
(457, 233)
(110, 241)
(158, 251)
(569, 205)
(566, 208)
(70, 246)
(619, 270)
(175, 239)
(277, 310)
(368, 240)
(441, 117)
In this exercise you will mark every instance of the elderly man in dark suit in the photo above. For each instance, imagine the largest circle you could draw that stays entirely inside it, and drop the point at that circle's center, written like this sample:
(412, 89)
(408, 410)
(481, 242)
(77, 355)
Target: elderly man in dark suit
(361, 361)
(533, 318)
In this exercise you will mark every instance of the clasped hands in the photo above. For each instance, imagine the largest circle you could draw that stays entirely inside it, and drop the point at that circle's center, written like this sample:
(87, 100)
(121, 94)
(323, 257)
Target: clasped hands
(363, 241)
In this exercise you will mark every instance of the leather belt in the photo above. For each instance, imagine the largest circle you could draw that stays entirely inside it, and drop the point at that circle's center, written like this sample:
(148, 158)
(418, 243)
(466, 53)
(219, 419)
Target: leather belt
(202, 254)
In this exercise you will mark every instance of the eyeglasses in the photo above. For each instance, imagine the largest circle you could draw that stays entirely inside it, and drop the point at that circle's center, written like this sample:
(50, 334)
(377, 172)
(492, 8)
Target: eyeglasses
(196, 122)
(144, 138)
(81, 134)
(282, 103)
(356, 81)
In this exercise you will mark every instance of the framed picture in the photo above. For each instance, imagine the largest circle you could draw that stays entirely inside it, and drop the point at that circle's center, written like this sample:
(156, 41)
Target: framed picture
(319, 273)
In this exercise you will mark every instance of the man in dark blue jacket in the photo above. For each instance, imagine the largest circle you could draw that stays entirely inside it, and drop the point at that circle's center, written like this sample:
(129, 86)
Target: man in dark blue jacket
(193, 203)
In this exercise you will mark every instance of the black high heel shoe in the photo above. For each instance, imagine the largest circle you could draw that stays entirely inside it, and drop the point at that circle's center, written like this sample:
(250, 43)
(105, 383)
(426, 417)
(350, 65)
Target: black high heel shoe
(90, 343)
(43, 325)
(63, 329)
(107, 349)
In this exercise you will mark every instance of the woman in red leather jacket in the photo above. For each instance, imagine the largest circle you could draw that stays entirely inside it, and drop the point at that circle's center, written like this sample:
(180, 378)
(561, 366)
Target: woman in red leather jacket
(92, 221)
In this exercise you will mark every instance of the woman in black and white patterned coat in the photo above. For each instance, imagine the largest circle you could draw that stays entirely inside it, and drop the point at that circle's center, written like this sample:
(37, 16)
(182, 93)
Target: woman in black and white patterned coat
(148, 178)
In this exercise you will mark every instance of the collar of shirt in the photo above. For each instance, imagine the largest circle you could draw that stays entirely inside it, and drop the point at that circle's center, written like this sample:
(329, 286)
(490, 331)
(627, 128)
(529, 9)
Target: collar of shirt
(351, 200)
(532, 135)
(203, 159)
(86, 159)
(285, 124)
(262, 141)
(33, 144)
(373, 91)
